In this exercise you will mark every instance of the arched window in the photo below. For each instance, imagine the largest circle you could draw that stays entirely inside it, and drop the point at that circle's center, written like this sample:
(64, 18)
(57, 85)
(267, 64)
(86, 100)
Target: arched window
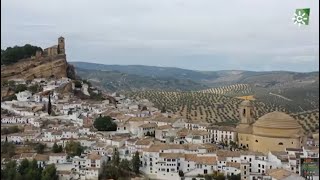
(244, 112)
(280, 143)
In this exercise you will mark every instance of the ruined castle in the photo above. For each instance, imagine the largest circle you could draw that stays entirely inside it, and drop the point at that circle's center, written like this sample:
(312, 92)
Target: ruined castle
(53, 50)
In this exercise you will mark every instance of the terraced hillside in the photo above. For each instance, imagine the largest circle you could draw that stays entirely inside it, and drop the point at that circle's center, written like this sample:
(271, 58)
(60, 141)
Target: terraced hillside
(308, 119)
(294, 99)
(214, 108)
(231, 90)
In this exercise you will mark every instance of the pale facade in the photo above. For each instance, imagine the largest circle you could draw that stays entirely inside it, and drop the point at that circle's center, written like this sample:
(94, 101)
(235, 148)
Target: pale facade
(274, 131)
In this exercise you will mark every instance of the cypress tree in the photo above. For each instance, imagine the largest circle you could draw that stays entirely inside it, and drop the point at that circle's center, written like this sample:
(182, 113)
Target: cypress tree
(49, 105)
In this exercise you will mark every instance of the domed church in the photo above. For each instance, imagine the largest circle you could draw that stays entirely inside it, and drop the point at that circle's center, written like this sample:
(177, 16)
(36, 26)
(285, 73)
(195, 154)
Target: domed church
(274, 131)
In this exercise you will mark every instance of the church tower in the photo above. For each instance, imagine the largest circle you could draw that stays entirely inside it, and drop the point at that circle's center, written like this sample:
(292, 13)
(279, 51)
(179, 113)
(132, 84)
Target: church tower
(246, 112)
(61, 45)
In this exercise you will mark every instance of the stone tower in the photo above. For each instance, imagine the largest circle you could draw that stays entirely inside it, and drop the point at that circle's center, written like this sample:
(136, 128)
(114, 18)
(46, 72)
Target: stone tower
(61, 45)
(246, 112)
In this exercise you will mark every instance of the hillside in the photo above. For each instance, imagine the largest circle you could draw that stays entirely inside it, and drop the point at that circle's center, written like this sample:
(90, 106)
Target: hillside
(118, 81)
(42, 67)
(294, 91)
(210, 78)
(216, 108)
(149, 71)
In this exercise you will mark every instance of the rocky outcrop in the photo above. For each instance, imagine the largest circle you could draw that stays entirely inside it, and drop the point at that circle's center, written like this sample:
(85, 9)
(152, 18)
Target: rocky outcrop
(71, 73)
(40, 67)
(67, 88)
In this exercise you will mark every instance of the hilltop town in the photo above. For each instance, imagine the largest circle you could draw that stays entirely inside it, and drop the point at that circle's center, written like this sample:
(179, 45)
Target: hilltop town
(50, 117)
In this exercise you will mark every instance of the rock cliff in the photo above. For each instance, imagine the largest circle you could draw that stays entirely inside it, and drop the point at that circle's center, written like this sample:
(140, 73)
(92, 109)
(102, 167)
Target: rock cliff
(40, 67)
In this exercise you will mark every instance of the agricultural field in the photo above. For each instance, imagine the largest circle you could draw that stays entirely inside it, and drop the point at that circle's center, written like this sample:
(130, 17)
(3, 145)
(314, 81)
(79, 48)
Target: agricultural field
(231, 90)
(215, 108)
(294, 99)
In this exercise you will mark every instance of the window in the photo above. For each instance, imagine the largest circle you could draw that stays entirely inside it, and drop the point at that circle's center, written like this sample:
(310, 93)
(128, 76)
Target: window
(270, 167)
(256, 140)
(205, 171)
(262, 166)
(258, 165)
(280, 143)
(258, 170)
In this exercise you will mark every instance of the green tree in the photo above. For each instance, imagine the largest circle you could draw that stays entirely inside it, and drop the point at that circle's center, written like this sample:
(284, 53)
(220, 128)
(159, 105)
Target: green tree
(14, 54)
(104, 173)
(220, 177)
(181, 174)
(136, 162)
(74, 148)
(23, 167)
(125, 165)
(34, 88)
(13, 129)
(115, 158)
(40, 148)
(234, 177)
(77, 84)
(10, 130)
(49, 105)
(208, 177)
(7, 149)
(49, 173)
(10, 170)
(163, 109)
(55, 148)
(20, 88)
(60, 149)
(105, 123)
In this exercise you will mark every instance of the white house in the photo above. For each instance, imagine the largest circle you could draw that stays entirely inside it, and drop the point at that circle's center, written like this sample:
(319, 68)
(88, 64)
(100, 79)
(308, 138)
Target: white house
(24, 96)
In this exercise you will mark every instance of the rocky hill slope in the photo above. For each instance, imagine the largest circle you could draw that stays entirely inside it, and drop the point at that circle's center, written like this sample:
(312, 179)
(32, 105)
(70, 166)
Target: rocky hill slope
(41, 67)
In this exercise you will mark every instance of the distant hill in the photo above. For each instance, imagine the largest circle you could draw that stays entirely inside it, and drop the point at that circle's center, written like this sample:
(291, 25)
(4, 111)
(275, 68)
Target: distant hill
(296, 92)
(118, 81)
(149, 71)
(209, 78)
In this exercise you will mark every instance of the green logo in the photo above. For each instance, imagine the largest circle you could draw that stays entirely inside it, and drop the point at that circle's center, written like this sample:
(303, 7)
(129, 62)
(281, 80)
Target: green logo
(301, 16)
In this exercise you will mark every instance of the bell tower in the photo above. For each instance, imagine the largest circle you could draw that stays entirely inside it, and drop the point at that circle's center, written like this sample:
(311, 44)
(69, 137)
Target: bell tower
(246, 112)
(61, 45)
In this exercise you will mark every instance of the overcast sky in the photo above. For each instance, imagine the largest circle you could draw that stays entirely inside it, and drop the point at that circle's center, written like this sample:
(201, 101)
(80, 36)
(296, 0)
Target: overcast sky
(254, 35)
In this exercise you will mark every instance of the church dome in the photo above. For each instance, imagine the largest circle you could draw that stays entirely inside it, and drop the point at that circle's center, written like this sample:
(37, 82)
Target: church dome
(277, 120)
(277, 124)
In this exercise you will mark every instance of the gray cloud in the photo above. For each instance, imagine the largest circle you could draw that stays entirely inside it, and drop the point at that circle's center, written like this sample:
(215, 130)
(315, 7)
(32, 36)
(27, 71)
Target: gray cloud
(205, 34)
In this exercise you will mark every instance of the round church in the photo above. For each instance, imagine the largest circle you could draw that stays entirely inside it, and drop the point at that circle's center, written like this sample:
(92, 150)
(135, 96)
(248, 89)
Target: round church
(274, 131)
